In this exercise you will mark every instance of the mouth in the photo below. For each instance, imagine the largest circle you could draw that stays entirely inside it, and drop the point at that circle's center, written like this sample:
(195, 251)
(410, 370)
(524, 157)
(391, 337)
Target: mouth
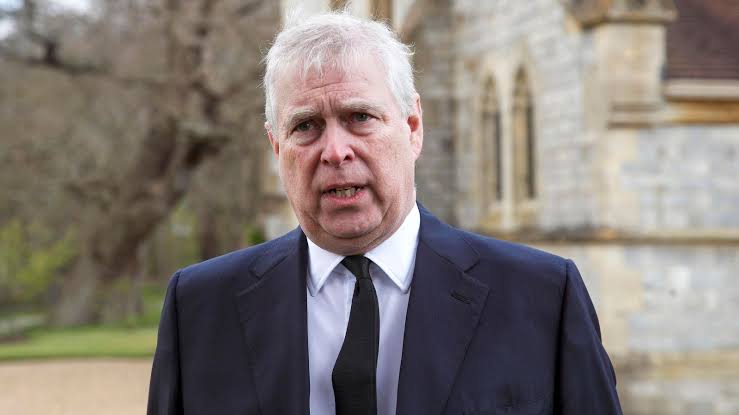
(345, 192)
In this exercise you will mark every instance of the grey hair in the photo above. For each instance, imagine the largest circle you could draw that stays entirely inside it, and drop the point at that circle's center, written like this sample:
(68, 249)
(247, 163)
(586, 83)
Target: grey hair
(336, 41)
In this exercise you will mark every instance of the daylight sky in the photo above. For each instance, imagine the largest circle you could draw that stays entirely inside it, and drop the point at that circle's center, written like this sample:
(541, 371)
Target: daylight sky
(76, 5)
(80, 5)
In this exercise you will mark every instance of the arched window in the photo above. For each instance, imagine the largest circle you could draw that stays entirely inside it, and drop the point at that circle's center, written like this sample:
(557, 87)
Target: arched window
(491, 190)
(524, 141)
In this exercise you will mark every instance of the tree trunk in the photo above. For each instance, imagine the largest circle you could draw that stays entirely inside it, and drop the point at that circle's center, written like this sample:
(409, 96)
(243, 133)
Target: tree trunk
(77, 299)
(207, 231)
(86, 297)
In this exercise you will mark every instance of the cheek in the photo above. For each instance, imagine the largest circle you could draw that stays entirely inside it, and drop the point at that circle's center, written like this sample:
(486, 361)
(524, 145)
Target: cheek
(296, 169)
(389, 165)
(288, 169)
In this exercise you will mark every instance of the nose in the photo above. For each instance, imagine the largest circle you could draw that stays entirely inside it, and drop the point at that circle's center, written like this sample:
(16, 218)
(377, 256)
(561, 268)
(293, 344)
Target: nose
(337, 149)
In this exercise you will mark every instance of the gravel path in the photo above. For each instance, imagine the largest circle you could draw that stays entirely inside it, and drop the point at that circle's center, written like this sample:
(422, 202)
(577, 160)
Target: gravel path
(78, 387)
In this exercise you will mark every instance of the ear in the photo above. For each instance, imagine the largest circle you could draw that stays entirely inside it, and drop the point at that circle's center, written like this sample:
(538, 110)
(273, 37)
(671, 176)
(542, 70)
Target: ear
(415, 123)
(273, 141)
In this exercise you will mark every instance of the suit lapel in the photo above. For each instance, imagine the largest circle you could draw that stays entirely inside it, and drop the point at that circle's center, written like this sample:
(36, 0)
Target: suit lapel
(272, 312)
(443, 310)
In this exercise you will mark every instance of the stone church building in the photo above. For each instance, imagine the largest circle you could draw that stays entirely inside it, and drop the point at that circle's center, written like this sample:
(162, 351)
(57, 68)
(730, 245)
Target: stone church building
(606, 131)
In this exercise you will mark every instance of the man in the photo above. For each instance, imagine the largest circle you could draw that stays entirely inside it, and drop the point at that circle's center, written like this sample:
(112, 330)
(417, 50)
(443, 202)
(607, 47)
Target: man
(371, 306)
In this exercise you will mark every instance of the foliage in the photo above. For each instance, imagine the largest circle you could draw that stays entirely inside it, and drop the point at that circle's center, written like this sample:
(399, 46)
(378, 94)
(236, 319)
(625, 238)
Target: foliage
(30, 259)
(254, 235)
(182, 238)
(153, 300)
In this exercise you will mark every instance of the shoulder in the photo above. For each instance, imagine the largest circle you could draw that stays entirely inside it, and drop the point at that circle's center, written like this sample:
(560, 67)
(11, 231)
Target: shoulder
(471, 250)
(235, 267)
(509, 254)
(508, 264)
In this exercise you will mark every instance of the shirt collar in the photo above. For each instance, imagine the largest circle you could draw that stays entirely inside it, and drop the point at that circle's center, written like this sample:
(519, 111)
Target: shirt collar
(395, 256)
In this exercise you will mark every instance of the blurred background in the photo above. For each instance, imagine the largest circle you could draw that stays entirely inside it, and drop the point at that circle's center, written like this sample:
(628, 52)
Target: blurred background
(132, 144)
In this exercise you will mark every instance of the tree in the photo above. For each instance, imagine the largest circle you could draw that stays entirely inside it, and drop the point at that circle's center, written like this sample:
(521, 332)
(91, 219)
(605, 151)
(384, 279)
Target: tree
(191, 69)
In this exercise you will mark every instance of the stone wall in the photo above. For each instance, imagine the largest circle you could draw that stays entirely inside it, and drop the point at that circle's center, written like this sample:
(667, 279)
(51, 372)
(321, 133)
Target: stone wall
(496, 39)
(434, 60)
(672, 178)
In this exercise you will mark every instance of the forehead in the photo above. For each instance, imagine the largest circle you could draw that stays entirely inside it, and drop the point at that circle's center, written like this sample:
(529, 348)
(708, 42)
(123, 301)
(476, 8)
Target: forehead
(364, 80)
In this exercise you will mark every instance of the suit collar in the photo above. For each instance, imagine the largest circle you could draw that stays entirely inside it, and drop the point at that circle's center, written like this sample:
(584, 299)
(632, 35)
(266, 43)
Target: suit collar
(272, 312)
(446, 241)
(443, 312)
(394, 256)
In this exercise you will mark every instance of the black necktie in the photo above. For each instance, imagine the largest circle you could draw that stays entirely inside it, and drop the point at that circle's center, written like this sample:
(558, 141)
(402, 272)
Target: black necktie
(355, 372)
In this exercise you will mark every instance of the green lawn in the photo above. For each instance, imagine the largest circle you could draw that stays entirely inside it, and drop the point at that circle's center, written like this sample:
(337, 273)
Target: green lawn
(135, 337)
(82, 342)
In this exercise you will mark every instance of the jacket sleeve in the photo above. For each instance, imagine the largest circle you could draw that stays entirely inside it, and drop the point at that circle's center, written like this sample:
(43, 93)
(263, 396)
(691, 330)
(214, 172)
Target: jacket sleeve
(164, 389)
(586, 381)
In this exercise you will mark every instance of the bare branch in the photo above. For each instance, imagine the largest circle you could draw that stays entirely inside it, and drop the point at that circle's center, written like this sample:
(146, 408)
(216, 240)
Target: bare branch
(173, 6)
(251, 76)
(207, 6)
(51, 61)
(204, 140)
(98, 190)
(203, 132)
(9, 13)
(29, 10)
(247, 8)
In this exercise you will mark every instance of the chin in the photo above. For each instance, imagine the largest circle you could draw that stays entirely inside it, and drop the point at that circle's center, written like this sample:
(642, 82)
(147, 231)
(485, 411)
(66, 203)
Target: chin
(348, 230)
(353, 233)
(349, 224)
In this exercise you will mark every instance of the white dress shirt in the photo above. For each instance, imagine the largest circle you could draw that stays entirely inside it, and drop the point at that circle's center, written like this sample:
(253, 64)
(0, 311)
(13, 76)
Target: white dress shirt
(330, 289)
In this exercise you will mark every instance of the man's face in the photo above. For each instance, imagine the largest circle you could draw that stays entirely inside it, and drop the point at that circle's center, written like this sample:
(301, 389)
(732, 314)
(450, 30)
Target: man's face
(346, 155)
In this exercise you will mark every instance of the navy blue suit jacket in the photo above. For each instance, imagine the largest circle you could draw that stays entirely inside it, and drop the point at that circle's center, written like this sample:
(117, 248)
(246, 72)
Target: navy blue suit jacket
(492, 328)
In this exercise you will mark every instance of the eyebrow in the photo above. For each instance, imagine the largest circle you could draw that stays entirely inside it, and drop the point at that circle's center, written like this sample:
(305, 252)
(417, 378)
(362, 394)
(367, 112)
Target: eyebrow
(298, 115)
(361, 106)
(355, 105)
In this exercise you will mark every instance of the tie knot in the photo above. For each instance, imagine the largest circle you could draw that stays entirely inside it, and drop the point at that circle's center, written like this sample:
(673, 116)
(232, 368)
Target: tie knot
(357, 265)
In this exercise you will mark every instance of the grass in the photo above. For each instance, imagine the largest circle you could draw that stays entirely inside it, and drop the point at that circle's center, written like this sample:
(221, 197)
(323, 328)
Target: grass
(135, 337)
(82, 342)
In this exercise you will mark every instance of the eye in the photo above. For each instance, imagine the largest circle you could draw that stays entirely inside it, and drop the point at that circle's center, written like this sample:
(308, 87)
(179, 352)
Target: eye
(360, 117)
(304, 126)
(306, 131)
